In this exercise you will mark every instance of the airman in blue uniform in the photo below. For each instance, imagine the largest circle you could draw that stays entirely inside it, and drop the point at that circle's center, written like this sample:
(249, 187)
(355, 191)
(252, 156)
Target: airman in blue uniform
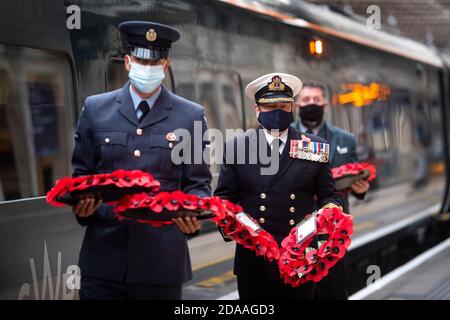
(132, 128)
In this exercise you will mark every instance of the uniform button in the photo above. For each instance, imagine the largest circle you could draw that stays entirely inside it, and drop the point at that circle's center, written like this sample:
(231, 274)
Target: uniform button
(291, 222)
(292, 196)
(262, 208)
(263, 195)
(107, 140)
(139, 132)
(170, 145)
(262, 220)
(292, 209)
(137, 153)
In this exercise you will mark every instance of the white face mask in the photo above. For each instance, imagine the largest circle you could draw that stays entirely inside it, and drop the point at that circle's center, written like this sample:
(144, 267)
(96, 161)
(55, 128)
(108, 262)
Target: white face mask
(146, 78)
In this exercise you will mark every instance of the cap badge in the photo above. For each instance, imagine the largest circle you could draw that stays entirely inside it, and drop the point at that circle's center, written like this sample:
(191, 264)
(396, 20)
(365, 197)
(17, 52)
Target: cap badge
(151, 35)
(171, 136)
(276, 84)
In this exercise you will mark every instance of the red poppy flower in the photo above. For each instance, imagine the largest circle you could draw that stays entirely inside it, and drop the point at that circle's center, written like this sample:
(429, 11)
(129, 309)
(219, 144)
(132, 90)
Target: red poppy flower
(190, 202)
(315, 262)
(337, 250)
(354, 169)
(317, 274)
(324, 249)
(311, 256)
(126, 180)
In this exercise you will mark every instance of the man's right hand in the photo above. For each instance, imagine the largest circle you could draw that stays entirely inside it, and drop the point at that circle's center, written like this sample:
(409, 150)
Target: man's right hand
(87, 206)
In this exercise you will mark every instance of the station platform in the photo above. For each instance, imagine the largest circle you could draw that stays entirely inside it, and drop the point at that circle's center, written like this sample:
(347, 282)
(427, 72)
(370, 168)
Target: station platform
(426, 277)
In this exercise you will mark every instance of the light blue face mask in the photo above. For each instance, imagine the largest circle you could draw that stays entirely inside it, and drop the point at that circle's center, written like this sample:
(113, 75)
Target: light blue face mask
(146, 78)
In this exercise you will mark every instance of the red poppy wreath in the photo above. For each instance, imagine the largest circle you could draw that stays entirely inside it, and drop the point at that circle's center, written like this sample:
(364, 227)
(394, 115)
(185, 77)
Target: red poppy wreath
(347, 174)
(157, 210)
(299, 262)
(106, 186)
(246, 231)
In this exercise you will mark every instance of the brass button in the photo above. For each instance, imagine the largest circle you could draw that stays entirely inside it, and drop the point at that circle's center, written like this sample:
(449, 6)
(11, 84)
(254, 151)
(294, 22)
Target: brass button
(137, 153)
(170, 145)
(139, 132)
(262, 208)
(292, 209)
(262, 220)
(107, 140)
(292, 196)
(263, 195)
(291, 222)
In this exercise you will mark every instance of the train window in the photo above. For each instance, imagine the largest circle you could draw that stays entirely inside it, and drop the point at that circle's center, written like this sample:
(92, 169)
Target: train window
(36, 121)
(218, 92)
(117, 76)
(187, 90)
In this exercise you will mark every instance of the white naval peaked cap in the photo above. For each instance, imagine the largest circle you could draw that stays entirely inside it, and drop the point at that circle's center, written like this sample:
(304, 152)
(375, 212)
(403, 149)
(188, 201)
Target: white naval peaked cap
(274, 87)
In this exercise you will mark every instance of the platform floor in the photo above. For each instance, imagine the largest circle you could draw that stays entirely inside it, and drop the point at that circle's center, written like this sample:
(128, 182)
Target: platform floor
(426, 277)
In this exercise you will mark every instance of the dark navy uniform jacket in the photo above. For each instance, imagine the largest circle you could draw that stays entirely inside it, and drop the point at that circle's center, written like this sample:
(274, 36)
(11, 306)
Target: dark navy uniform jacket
(109, 137)
(278, 201)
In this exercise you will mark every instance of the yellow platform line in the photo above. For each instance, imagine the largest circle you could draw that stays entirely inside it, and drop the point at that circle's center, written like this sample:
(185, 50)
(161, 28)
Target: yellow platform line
(217, 280)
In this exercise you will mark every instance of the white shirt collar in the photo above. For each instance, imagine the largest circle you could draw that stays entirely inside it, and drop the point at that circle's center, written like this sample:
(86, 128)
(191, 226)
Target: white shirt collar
(136, 99)
(283, 137)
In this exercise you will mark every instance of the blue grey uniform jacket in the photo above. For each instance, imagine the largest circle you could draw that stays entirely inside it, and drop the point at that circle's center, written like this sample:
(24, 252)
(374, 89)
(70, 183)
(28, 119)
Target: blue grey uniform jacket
(109, 137)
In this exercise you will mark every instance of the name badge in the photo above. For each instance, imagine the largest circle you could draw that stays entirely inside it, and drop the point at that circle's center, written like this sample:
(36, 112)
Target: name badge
(246, 221)
(306, 228)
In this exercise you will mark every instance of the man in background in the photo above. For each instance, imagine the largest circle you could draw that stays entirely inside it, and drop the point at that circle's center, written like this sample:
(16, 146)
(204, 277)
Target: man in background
(312, 102)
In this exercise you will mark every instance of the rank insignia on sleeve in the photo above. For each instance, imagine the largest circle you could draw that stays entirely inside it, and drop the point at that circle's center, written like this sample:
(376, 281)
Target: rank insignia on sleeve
(308, 150)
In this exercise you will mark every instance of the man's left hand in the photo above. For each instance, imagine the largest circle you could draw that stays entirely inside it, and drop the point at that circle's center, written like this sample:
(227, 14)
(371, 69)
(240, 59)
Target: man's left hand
(187, 225)
(360, 186)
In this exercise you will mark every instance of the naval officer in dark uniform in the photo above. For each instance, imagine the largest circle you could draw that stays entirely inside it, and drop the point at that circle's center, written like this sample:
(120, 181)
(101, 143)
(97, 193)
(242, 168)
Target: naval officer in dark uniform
(312, 102)
(280, 200)
(132, 128)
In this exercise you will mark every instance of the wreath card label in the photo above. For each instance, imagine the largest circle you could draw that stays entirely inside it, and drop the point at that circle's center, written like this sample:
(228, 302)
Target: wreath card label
(306, 228)
(245, 220)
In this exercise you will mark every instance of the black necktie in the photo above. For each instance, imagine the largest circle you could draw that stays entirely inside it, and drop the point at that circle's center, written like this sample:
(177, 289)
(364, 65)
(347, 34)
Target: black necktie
(143, 106)
(280, 144)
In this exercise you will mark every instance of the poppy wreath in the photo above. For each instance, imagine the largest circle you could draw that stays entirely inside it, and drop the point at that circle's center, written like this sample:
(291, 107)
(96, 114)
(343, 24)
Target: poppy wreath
(159, 209)
(246, 231)
(109, 187)
(240, 227)
(299, 262)
(346, 174)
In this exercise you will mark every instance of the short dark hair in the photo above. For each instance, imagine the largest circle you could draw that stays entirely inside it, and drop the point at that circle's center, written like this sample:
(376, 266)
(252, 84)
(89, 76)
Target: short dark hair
(316, 84)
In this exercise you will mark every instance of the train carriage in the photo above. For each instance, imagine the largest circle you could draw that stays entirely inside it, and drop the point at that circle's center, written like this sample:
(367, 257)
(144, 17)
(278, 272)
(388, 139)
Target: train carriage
(391, 92)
